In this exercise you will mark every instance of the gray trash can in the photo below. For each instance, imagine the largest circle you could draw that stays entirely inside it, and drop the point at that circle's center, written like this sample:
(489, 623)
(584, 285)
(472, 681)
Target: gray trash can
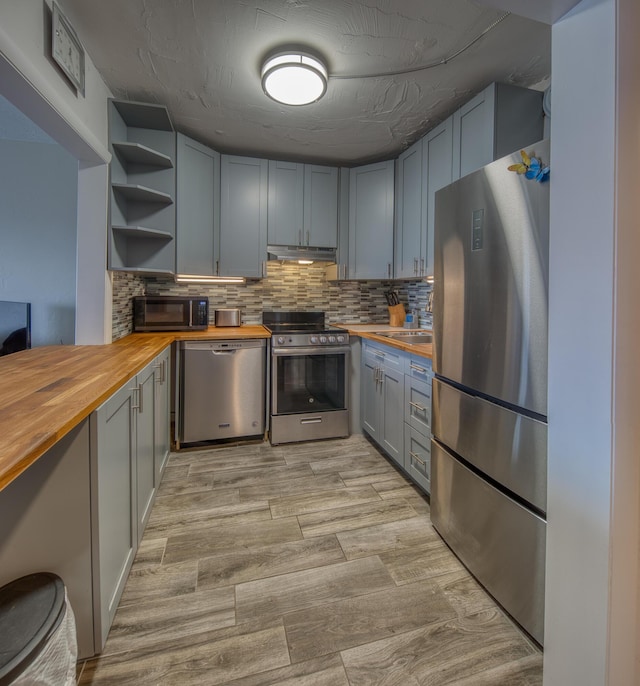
(37, 633)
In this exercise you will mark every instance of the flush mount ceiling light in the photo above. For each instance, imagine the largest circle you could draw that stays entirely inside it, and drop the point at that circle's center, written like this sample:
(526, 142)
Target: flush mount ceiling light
(294, 78)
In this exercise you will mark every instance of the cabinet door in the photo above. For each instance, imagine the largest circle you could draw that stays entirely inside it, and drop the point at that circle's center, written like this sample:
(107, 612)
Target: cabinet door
(473, 133)
(371, 221)
(392, 424)
(409, 217)
(145, 441)
(113, 502)
(197, 207)
(437, 161)
(243, 216)
(370, 396)
(320, 206)
(162, 413)
(285, 215)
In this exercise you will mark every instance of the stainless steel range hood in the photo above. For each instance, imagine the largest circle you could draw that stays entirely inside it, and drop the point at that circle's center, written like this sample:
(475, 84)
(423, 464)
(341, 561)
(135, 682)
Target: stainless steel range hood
(292, 253)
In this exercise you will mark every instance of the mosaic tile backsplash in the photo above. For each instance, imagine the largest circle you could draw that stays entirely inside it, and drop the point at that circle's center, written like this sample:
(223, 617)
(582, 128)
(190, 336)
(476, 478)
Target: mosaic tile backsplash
(288, 286)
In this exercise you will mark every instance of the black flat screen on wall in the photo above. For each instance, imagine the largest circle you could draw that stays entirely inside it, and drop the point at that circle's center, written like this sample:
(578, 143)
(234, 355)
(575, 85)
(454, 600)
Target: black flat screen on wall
(15, 327)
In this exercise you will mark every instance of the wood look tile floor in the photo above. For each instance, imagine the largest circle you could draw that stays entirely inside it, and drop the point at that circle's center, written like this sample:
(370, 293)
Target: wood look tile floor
(312, 564)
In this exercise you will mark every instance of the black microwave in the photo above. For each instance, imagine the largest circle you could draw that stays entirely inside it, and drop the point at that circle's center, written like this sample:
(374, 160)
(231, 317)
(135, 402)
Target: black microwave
(170, 313)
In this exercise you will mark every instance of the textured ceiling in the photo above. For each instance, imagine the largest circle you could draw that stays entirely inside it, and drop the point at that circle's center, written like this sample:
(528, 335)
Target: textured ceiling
(201, 58)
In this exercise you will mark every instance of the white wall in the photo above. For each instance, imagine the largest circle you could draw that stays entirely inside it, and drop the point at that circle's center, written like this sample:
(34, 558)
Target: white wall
(591, 625)
(32, 82)
(38, 191)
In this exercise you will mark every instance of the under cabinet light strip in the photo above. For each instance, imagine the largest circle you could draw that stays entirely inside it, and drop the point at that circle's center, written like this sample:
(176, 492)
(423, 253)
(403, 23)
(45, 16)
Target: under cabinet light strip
(194, 278)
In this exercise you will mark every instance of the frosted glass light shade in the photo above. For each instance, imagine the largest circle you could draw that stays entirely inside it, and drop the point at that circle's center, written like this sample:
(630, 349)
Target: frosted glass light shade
(294, 78)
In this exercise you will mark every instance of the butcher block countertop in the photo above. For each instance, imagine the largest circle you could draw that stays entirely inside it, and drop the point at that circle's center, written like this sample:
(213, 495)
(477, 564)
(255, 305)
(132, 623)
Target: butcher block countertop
(373, 331)
(46, 392)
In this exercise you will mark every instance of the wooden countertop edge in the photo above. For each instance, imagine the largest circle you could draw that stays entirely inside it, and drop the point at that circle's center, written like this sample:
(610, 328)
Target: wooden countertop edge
(421, 349)
(145, 345)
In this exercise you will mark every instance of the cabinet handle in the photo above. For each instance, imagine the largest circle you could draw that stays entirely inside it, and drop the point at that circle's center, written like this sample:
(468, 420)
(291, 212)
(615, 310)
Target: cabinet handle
(308, 238)
(159, 368)
(136, 404)
(163, 371)
(415, 266)
(299, 236)
(344, 271)
(417, 368)
(420, 408)
(388, 270)
(422, 266)
(217, 272)
(417, 459)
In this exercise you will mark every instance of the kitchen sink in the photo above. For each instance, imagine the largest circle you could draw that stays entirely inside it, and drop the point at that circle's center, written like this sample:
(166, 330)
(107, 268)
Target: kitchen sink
(409, 337)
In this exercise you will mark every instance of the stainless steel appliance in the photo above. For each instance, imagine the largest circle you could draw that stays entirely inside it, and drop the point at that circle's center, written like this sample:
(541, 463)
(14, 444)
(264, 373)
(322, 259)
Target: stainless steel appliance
(222, 389)
(489, 449)
(309, 385)
(170, 313)
(229, 316)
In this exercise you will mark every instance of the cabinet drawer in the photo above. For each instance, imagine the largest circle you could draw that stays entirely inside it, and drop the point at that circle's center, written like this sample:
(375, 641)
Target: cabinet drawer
(419, 368)
(385, 355)
(417, 405)
(417, 459)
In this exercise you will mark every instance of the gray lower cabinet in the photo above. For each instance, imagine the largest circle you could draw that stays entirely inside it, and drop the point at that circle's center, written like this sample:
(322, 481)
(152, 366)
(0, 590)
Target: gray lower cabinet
(417, 421)
(197, 208)
(243, 216)
(395, 407)
(45, 525)
(371, 195)
(113, 490)
(127, 452)
(382, 398)
(144, 432)
(162, 413)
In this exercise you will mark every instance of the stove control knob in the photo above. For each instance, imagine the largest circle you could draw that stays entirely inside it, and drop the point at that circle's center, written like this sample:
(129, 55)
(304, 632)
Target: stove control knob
(313, 340)
(323, 339)
(332, 339)
(340, 338)
(280, 340)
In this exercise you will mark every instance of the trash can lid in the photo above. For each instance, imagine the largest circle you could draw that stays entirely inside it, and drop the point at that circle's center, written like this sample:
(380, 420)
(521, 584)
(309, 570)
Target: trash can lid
(31, 609)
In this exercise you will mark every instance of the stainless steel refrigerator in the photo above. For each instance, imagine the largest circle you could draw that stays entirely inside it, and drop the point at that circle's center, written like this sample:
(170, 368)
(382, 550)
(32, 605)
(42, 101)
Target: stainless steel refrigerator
(489, 448)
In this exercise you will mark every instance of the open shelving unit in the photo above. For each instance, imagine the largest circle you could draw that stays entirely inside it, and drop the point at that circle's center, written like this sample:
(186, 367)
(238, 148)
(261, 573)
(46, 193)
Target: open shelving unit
(142, 222)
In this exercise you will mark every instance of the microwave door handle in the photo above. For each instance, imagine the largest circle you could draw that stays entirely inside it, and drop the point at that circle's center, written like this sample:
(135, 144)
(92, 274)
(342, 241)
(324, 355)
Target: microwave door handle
(190, 313)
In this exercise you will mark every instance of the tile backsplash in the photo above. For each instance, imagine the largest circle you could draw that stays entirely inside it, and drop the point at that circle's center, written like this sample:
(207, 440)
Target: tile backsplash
(288, 286)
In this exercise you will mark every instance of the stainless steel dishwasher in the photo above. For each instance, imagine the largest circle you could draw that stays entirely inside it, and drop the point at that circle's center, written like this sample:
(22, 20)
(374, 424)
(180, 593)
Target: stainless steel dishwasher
(222, 389)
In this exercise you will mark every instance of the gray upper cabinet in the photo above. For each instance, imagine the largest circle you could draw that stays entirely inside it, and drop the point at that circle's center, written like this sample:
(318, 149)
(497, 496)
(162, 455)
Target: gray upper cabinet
(409, 234)
(303, 205)
(286, 197)
(437, 172)
(371, 194)
(243, 216)
(197, 207)
(498, 121)
(142, 213)
(320, 206)
(162, 413)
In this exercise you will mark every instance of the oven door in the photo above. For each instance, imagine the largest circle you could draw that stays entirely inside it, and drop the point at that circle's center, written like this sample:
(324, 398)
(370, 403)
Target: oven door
(309, 379)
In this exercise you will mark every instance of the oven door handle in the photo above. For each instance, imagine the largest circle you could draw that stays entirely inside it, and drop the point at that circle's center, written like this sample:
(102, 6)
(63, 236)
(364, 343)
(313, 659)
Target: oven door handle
(310, 350)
